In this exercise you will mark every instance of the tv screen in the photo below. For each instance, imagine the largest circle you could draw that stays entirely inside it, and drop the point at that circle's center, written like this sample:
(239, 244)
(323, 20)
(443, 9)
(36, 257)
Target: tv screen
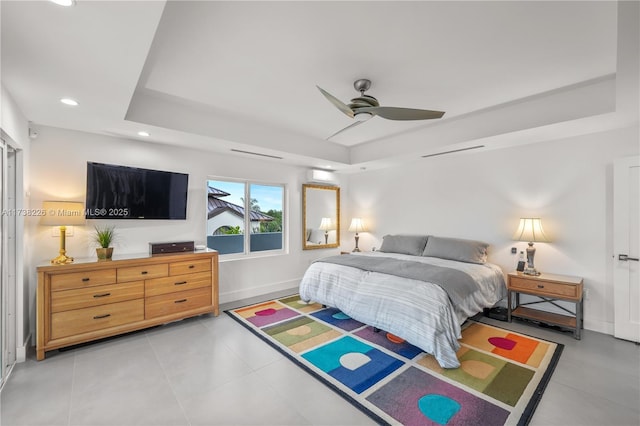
(121, 192)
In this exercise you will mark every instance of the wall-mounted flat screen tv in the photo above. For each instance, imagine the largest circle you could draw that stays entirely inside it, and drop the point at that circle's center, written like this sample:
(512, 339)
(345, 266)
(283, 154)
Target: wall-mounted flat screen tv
(121, 192)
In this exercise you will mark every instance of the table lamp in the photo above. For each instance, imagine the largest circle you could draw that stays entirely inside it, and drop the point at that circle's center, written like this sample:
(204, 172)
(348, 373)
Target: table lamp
(325, 226)
(357, 225)
(62, 214)
(530, 230)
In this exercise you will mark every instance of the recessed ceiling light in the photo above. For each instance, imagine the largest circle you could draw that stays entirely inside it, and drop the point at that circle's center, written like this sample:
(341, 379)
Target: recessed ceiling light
(69, 101)
(65, 3)
(143, 133)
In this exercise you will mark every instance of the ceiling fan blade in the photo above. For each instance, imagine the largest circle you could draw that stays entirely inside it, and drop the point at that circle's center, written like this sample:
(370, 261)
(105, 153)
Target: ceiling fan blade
(354, 124)
(394, 113)
(337, 102)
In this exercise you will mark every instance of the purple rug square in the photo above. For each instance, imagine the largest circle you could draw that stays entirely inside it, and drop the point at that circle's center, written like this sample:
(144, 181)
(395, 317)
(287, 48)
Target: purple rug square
(271, 316)
(417, 398)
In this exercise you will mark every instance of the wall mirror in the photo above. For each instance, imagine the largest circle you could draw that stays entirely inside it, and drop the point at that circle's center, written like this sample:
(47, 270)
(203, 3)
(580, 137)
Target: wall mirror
(320, 216)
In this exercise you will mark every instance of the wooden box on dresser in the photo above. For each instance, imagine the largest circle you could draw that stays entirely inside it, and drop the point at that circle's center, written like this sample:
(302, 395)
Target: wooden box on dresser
(89, 300)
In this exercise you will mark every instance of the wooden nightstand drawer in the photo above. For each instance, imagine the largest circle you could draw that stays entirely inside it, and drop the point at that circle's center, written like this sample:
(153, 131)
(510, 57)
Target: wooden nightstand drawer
(146, 272)
(82, 279)
(544, 287)
(78, 321)
(93, 296)
(176, 283)
(167, 304)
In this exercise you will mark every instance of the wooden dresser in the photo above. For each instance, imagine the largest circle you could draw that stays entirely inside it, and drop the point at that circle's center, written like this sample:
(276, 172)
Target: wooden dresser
(90, 299)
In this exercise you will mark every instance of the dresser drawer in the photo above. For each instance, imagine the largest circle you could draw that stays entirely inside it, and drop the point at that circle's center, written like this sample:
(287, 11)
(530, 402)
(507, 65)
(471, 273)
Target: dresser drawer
(82, 279)
(93, 296)
(178, 268)
(146, 272)
(170, 284)
(78, 321)
(172, 303)
(544, 287)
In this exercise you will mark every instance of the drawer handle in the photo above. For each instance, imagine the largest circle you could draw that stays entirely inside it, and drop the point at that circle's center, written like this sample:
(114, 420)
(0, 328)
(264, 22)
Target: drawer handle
(84, 280)
(180, 283)
(192, 266)
(180, 301)
(102, 316)
(101, 295)
(540, 286)
(144, 272)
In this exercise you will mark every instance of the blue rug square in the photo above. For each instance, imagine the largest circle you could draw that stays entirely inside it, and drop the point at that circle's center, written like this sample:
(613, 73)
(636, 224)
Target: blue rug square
(353, 363)
(389, 341)
(338, 319)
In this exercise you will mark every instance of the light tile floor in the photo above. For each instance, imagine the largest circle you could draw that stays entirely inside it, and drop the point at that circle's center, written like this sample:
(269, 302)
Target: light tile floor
(211, 371)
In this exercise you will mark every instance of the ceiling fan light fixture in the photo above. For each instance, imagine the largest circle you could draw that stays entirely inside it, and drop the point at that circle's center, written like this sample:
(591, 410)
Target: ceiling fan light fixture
(363, 116)
(365, 106)
(65, 3)
(69, 101)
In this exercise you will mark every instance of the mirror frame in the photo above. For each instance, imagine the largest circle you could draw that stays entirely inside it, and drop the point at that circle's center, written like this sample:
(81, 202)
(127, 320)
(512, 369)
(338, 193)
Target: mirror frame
(306, 187)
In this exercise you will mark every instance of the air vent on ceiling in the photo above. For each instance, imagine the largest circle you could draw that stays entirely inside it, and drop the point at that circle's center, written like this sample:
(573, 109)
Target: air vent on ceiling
(256, 153)
(453, 150)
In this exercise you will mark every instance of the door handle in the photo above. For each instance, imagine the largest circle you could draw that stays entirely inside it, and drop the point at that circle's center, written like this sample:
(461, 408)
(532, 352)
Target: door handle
(625, 258)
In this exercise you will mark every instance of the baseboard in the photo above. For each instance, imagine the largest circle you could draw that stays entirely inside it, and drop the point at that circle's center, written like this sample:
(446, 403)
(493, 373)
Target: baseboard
(599, 326)
(21, 351)
(247, 293)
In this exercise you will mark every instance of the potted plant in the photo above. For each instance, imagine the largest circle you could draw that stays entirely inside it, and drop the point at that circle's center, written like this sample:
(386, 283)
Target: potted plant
(104, 236)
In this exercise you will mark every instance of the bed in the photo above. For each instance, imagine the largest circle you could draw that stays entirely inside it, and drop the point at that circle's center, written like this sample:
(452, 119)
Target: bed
(408, 295)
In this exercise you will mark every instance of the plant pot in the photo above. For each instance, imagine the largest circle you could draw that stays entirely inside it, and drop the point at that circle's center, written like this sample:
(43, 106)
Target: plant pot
(104, 253)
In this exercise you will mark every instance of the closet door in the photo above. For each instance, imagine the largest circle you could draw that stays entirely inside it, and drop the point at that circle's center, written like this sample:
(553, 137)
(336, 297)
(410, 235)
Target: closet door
(626, 266)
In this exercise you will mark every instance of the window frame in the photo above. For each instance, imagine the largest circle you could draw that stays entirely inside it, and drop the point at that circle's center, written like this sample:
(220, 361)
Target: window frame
(247, 253)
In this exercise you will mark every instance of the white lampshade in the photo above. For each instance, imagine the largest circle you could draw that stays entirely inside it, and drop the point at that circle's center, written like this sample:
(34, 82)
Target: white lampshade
(530, 229)
(357, 225)
(62, 213)
(325, 225)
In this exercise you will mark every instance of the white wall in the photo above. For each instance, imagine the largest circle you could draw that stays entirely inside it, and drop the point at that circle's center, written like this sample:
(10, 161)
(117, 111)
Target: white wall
(481, 195)
(58, 172)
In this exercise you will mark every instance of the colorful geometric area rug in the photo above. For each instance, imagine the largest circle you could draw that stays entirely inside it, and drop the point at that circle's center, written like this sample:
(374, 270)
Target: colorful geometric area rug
(501, 377)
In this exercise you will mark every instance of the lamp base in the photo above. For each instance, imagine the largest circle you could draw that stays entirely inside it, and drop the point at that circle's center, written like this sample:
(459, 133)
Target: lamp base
(62, 259)
(531, 271)
(357, 238)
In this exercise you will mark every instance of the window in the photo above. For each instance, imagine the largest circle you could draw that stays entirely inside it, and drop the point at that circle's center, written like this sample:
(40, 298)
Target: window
(244, 217)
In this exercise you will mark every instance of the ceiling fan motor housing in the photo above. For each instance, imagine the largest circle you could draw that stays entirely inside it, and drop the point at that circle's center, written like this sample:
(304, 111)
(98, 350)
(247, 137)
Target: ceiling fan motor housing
(363, 101)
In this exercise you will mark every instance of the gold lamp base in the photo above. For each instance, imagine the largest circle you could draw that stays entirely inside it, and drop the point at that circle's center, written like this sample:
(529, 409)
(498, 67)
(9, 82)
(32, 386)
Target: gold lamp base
(61, 259)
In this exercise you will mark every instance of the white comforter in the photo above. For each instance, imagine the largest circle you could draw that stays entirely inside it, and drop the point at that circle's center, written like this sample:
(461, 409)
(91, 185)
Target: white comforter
(419, 312)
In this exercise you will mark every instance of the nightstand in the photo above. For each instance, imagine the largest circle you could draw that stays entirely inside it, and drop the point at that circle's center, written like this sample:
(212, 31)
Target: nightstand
(549, 288)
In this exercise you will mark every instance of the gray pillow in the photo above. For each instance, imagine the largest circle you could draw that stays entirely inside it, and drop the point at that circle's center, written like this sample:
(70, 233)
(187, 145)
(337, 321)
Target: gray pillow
(469, 251)
(404, 244)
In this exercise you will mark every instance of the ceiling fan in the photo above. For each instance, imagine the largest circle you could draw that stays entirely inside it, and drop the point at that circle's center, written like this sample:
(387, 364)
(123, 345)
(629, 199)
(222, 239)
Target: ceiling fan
(364, 107)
